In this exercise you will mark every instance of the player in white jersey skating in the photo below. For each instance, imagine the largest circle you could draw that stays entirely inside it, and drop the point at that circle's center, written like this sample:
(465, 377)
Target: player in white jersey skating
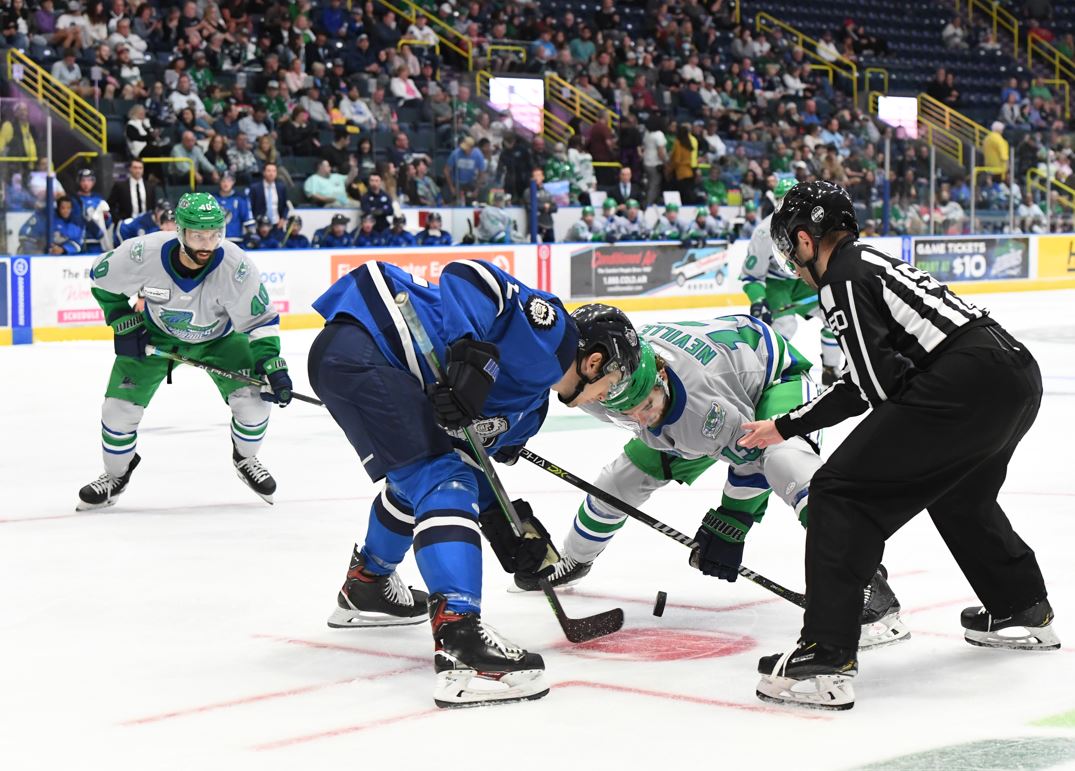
(193, 293)
(697, 384)
(778, 296)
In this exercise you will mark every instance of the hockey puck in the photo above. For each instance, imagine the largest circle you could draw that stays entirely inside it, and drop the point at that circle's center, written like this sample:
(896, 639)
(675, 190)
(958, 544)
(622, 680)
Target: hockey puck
(658, 606)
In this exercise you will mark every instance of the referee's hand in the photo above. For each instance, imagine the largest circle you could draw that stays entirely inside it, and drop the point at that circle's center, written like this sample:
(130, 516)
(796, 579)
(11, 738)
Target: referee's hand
(761, 434)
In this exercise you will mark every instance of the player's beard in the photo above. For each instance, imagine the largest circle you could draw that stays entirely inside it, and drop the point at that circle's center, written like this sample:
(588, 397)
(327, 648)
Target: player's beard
(200, 257)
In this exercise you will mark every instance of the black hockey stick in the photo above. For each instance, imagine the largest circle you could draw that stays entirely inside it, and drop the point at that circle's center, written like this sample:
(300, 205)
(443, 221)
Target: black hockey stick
(656, 524)
(575, 629)
(152, 350)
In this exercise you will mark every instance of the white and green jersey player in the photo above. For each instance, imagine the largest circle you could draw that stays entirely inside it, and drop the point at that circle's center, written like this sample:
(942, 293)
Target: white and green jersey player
(778, 296)
(193, 293)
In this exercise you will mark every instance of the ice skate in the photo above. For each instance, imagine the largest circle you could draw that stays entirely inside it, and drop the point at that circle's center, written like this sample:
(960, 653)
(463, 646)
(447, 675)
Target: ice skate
(566, 572)
(812, 675)
(103, 491)
(254, 475)
(1028, 630)
(367, 600)
(881, 623)
(475, 666)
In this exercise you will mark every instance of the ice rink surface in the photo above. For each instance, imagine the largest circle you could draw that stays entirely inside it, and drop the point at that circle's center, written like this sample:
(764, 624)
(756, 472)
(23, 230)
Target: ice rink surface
(184, 628)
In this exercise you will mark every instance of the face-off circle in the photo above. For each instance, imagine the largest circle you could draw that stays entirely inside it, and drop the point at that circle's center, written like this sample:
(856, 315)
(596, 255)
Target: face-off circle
(662, 645)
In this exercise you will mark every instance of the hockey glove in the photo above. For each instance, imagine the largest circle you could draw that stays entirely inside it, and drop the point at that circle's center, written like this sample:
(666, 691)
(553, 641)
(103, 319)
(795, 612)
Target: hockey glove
(532, 552)
(469, 375)
(720, 543)
(760, 310)
(275, 370)
(130, 335)
(509, 456)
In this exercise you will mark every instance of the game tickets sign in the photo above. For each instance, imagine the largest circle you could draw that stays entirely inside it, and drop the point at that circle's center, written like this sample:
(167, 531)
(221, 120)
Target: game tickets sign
(972, 259)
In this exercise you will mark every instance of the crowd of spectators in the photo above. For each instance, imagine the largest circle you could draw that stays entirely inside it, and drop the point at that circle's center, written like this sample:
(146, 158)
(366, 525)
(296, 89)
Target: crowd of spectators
(297, 104)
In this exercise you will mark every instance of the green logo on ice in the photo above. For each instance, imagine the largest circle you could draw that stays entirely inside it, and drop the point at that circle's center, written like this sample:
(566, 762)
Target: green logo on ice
(179, 323)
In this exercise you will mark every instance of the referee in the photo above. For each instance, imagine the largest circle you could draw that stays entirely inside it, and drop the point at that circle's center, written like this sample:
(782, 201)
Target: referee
(952, 393)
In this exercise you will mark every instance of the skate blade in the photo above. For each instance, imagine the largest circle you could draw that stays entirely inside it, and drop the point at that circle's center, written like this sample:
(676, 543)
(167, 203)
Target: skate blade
(823, 692)
(888, 631)
(83, 506)
(514, 588)
(266, 498)
(1031, 639)
(344, 618)
(462, 688)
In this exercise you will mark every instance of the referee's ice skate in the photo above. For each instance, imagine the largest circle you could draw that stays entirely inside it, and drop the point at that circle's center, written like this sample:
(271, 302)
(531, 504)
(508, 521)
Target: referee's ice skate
(812, 675)
(1028, 630)
(881, 623)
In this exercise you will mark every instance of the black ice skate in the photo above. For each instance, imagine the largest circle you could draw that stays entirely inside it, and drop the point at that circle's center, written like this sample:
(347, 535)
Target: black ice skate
(103, 491)
(1028, 630)
(881, 624)
(829, 375)
(812, 675)
(367, 600)
(256, 476)
(471, 653)
(565, 573)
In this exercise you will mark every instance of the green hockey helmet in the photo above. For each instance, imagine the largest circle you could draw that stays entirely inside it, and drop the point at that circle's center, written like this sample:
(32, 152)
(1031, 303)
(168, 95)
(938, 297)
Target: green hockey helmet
(587, 210)
(671, 206)
(750, 206)
(608, 204)
(200, 223)
(632, 203)
(715, 200)
(782, 188)
(630, 392)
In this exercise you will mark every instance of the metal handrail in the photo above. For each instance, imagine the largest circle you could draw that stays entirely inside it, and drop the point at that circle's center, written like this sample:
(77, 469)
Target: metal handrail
(1001, 17)
(1061, 65)
(1031, 182)
(1066, 87)
(764, 22)
(79, 114)
(553, 127)
(940, 138)
(507, 47)
(579, 104)
(449, 38)
(876, 70)
(939, 114)
(176, 159)
(72, 159)
(410, 41)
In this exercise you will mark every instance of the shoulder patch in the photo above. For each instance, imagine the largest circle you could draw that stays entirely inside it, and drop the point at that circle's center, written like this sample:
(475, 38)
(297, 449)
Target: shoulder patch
(241, 272)
(542, 313)
(714, 421)
(138, 250)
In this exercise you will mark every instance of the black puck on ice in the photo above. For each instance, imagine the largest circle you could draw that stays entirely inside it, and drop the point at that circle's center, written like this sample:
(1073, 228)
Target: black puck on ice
(658, 606)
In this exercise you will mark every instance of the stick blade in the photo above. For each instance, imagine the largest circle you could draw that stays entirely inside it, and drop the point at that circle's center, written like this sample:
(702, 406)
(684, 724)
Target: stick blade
(579, 630)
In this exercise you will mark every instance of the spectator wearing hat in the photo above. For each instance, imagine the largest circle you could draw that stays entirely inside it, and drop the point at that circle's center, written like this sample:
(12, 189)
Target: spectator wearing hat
(750, 220)
(433, 234)
(325, 187)
(367, 236)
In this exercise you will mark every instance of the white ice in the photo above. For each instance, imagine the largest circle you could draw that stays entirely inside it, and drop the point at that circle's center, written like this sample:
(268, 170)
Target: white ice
(185, 627)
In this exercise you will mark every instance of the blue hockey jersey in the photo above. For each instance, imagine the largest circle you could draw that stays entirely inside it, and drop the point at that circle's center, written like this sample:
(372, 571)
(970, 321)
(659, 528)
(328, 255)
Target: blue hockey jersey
(425, 238)
(326, 239)
(132, 227)
(237, 211)
(536, 337)
(403, 238)
(365, 240)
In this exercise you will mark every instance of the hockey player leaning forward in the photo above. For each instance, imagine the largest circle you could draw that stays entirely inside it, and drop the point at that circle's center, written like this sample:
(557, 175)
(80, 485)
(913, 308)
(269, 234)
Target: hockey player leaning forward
(505, 346)
(696, 384)
(778, 296)
(203, 298)
(952, 395)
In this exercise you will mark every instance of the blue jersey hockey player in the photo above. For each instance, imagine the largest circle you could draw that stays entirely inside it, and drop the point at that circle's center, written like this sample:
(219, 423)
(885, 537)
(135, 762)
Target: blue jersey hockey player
(433, 234)
(161, 218)
(236, 208)
(90, 212)
(505, 346)
(398, 235)
(334, 235)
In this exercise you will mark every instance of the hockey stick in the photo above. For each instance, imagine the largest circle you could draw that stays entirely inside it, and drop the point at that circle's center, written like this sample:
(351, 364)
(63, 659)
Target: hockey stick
(656, 524)
(575, 629)
(152, 350)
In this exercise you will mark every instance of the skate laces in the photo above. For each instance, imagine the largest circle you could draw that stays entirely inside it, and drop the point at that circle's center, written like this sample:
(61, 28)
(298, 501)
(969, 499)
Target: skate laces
(252, 466)
(104, 484)
(563, 567)
(396, 591)
(493, 639)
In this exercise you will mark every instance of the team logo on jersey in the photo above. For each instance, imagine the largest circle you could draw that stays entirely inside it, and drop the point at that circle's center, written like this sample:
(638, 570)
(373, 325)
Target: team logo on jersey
(179, 323)
(156, 294)
(241, 272)
(138, 249)
(714, 421)
(817, 213)
(488, 429)
(541, 313)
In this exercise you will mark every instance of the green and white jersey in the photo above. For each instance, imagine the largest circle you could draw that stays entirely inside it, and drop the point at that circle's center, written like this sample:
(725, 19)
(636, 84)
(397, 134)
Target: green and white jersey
(760, 262)
(226, 296)
(717, 372)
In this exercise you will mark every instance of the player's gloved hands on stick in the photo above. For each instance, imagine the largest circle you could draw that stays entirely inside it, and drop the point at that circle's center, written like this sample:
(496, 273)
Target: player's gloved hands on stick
(279, 381)
(130, 335)
(517, 554)
(760, 310)
(509, 456)
(720, 543)
(469, 374)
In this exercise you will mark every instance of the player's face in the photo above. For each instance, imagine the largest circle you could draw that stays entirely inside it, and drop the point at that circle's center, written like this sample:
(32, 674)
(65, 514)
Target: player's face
(201, 244)
(649, 413)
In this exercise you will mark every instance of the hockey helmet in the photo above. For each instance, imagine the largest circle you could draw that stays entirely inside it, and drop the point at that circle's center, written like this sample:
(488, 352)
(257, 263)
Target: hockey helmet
(671, 206)
(339, 219)
(587, 211)
(200, 222)
(606, 330)
(630, 392)
(164, 211)
(632, 203)
(816, 207)
(608, 204)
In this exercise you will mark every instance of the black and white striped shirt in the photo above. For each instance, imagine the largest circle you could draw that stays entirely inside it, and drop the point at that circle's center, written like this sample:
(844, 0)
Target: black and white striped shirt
(890, 318)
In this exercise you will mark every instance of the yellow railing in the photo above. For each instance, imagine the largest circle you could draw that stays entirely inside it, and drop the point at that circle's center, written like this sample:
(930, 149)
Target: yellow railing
(1002, 18)
(1049, 56)
(937, 113)
(583, 106)
(942, 139)
(176, 159)
(553, 128)
(1064, 86)
(875, 71)
(79, 114)
(72, 159)
(412, 42)
(449, 37)
(765, 22)
(508, 47)
(1036, 180)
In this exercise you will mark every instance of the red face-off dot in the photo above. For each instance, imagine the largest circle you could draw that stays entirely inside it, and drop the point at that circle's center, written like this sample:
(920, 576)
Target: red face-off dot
(662, 645)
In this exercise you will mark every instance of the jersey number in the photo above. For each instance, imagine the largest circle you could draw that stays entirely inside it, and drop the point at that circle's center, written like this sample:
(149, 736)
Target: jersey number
(259, 303)
(740, 455)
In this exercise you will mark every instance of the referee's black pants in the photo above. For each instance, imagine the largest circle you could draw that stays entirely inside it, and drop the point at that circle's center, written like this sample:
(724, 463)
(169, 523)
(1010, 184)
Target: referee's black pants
(942, 444)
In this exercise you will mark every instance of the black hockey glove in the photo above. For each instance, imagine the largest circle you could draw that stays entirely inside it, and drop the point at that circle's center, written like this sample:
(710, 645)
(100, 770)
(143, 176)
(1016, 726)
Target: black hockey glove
(275, 370)
(130, 335)
(760, 310)
(527, 553)
(720, 543)
(469, 375)
(509, 456)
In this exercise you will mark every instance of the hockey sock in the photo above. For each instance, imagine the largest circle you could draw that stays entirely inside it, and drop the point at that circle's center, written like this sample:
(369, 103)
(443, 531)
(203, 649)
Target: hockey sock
(595, 524)
(390, 532)
(249, 422)
(119, 434)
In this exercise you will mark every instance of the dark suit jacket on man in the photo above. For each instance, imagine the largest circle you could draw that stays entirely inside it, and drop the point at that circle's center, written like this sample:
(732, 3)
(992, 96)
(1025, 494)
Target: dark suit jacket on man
(616, 194)
(256, 194)
(121, 201)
